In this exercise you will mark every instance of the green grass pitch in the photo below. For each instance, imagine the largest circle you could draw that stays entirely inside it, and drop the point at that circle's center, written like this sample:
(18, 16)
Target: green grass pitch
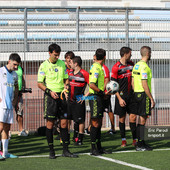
(37, 146)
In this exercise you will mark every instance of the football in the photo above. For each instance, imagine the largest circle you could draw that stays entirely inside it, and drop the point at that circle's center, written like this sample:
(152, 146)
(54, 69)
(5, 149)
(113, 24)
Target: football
(113, 86)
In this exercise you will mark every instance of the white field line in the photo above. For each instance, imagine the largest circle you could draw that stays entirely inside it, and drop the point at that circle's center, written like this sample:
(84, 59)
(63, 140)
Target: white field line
(130, 151)
(123, 163)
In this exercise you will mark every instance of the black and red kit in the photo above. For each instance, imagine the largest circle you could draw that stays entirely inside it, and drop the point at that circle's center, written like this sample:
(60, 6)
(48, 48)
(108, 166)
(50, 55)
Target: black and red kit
(122, 74)
(78, 83)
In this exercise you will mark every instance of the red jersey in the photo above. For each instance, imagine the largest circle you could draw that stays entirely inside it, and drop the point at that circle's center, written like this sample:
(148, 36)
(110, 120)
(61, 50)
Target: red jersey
(78, 83)
(106, 72)
(122, 74)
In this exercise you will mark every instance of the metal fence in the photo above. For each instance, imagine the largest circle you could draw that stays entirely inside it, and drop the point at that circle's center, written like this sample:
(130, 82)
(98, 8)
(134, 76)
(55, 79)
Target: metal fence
(29, 32)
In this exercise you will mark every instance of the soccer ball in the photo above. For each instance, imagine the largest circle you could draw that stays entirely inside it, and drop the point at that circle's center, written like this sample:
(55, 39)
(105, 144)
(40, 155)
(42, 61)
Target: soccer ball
(113, 86)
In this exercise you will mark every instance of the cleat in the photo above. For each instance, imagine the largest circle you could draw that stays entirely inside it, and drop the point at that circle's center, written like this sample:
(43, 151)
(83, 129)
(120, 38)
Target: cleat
(134, 142)
(75, 140)
(148, 148)
(124, 143)
(52, 154)
(9, 155)
(67, 153)
(86, 131)
(22, 133)
(2, 158)
(79, 142)
(111, 132)
(103, 151)
(141, 146)
(95, 152)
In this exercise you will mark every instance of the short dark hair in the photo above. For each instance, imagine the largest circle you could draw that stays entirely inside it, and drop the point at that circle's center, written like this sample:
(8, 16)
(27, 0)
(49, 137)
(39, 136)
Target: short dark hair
(144, 50)
(124, 50)
(69, 53)
(15, 57)
(54, 47)
(78, 60)
(100, 54)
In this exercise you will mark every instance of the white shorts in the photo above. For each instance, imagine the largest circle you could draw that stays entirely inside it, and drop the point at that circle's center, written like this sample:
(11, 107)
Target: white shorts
(6, 116)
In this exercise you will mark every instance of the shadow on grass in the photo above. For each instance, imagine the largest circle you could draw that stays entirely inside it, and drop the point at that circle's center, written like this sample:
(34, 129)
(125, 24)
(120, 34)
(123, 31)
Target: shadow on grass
(37, 145)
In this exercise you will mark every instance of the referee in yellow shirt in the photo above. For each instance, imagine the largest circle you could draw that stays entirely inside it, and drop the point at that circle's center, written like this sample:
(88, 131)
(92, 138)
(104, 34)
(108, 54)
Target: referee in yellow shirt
(141, 83)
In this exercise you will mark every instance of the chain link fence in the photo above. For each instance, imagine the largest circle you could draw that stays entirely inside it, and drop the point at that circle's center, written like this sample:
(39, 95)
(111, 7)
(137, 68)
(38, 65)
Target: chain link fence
(29, 32)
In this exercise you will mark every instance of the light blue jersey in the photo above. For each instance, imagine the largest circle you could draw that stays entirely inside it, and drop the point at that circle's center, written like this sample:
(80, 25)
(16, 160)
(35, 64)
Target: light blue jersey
(8, 79)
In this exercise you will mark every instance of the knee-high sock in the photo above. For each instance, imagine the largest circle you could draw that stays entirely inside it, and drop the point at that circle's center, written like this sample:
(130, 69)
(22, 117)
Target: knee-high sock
(99, 139)
(81, 135)
(5, 146)
(133, 129)
(93, 136)
(76, 130)
(49, 135)
(122, 129)
(65, 138)
(140, 132)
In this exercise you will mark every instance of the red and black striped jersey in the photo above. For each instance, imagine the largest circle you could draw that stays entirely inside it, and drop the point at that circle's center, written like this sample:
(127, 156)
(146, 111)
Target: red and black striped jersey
(68, 69)
(122, 74)
(78, 83)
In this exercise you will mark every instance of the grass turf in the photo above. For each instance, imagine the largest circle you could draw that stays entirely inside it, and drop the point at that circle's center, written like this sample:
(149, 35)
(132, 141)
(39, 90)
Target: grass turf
(37, 145)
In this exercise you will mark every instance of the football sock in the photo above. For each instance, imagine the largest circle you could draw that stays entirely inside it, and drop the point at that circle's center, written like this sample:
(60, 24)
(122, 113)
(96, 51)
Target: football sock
(99, 139)
(81, 135)
(140, 132)
(5, 146)
(133, 129)
(49, 134)
(122, 129)
(65, 138)
(93, 136)
(76, 130)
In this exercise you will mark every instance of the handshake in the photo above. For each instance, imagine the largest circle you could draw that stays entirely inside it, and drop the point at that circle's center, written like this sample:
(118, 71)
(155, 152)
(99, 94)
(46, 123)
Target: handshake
(26, 90)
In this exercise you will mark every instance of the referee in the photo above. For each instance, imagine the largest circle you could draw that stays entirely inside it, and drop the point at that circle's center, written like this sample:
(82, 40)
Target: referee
(52, 78)
(96, 84)
(141, 82)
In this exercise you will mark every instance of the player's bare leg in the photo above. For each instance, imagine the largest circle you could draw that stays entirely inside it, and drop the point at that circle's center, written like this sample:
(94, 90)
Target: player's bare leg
(5, 141)
(1, 129)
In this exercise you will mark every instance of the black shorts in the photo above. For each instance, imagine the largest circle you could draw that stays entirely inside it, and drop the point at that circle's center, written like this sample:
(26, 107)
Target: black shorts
(77, 111)
(54, 108)
(107, 104)
(143, 104)
(131, 106)
(96, 107)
